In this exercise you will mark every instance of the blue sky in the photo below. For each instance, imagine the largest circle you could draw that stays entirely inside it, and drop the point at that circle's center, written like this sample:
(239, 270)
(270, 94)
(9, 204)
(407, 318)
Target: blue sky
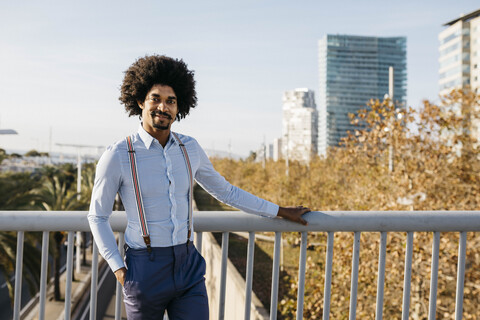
(62, 63)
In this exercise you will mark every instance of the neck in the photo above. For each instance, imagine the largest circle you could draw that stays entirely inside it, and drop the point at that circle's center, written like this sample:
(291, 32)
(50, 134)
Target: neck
(160, 135)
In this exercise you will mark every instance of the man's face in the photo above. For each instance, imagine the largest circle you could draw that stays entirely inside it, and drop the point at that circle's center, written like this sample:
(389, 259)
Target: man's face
(159, 108)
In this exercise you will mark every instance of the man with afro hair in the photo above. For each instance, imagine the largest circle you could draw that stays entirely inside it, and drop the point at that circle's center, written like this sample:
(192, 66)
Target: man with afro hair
(153, 172)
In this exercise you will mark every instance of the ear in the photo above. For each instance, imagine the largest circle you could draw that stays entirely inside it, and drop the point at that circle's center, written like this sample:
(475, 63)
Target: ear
(140, 104)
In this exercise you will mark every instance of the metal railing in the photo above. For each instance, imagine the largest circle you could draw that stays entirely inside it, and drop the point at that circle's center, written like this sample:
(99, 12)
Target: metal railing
(234, 221)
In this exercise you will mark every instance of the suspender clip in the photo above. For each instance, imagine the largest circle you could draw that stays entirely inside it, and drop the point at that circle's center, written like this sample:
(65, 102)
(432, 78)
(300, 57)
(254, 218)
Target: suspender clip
(147, 242)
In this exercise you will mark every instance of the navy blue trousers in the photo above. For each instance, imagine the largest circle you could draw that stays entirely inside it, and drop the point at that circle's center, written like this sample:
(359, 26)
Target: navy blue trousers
(170, 278)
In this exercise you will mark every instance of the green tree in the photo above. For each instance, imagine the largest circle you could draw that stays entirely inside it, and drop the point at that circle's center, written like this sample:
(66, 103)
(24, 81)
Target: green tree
(17, 193)
(56, 194)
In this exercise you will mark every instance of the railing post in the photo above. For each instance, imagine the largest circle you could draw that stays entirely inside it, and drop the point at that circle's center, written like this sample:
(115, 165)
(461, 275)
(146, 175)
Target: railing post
(275, 276)
(407, 280)
(301, 275)
(354, 280)
(43, 275)
(249, 276)
(78, 253)
(118, 291)
(462, 250)
(18, 276)
(381, 275)
(328, 276)
(94, 281)
(434, 276)
(198, 241)
(223, 276)
(68, 286)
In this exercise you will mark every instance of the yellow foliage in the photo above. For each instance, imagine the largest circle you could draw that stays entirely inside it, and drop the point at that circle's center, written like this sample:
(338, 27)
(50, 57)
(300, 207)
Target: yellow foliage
(436, 166)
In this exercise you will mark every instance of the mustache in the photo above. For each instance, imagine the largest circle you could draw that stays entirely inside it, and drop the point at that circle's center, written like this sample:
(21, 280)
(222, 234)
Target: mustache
(160, 113)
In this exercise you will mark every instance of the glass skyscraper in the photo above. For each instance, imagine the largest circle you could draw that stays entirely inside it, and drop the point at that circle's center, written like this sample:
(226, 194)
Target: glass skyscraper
(353, 70)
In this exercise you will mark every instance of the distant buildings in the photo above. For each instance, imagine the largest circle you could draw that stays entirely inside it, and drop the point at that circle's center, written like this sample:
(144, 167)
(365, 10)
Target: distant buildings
(460, 57)
(299, 125)
(460, 53)
(353, 70)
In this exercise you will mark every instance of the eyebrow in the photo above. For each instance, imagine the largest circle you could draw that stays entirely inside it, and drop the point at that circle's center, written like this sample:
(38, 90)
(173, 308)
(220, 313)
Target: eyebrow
(158, 96)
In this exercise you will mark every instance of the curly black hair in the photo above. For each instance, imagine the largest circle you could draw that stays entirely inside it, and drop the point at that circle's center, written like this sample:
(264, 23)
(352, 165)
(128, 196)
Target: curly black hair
(148, 71)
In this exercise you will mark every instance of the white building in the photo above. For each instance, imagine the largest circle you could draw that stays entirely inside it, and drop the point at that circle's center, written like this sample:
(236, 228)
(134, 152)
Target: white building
(277, 149)
(460, 53)
(300, 125)
(460, 56)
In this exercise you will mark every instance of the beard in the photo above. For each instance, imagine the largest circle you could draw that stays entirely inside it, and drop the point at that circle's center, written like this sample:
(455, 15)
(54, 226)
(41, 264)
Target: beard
(161, 125)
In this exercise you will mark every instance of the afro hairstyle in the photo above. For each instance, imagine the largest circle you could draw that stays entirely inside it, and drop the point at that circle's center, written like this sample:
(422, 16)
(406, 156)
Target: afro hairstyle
(148, 71)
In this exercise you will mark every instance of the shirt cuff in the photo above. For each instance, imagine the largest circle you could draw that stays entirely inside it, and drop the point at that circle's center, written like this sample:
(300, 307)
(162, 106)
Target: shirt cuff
(272, 209)
(116, 262)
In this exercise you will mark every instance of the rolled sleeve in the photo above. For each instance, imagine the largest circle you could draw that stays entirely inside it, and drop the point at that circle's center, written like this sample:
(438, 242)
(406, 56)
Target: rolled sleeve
(106, 186)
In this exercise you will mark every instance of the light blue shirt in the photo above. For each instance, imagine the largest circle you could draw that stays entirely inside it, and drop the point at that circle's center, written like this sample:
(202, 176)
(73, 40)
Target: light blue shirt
(163, 179)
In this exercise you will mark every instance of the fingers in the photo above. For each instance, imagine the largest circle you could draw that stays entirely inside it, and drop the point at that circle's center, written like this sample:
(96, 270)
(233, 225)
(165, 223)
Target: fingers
(120, 275)
(294, 214)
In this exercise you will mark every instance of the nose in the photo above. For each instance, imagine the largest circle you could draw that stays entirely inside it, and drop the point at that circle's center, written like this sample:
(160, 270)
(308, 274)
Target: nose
(162, 106)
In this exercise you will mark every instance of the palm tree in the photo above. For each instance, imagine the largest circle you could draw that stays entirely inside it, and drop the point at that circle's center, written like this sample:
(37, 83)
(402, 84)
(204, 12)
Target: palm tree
(17, 192)
(31, 262)
(56, 195)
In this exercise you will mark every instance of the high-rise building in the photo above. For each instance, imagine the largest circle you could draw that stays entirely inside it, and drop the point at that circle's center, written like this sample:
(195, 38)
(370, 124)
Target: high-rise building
(353, 70)
(460, 53)
(460, 58)
(300, 124)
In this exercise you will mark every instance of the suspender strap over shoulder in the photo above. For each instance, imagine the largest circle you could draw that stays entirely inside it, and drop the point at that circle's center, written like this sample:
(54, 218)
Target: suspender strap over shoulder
(138, 194)
(190, 180)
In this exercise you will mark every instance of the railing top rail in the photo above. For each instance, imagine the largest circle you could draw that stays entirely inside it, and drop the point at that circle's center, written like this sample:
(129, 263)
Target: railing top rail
(240, 221)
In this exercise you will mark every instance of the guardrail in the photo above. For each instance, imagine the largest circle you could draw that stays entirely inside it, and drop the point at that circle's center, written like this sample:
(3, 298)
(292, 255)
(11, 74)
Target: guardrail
(229, 221)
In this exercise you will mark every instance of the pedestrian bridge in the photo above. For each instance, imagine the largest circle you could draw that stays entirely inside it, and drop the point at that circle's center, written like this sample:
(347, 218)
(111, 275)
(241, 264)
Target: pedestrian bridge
(234, 221)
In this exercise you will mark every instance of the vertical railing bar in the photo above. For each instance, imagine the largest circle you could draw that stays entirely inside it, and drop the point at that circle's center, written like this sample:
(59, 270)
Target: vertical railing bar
(354, 280)
(462, 250)
(198, 241)
(78, 256)
(18, 276)
(328, 276)
(301, 275)
(94, 282)
(407, 279)
(432, 309)
(118, 293)
(381, 275)
(43, 275)
(249, 276)
(68, 286)
(223, 276)
(275, 276)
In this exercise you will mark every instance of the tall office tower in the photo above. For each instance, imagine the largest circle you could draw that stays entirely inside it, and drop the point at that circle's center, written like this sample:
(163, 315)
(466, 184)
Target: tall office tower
(460, 53)
(353, 70)
(300, 123)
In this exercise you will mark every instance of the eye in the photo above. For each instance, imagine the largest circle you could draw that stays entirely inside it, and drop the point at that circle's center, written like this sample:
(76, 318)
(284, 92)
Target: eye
(171, 101)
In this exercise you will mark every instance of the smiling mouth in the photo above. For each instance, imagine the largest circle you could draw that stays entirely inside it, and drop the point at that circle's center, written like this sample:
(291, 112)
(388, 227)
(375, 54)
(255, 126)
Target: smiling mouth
(161, 115)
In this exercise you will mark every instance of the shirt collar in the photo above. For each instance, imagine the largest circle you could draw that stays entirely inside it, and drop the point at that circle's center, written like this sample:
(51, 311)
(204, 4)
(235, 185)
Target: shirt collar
(147, 139)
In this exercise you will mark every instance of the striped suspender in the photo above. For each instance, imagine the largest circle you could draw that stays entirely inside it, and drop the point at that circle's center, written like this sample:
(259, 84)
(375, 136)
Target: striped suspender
(190, 180)
(138, 194)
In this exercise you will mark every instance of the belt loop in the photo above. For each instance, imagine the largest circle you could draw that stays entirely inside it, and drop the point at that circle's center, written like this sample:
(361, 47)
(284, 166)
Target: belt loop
(151, 255)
